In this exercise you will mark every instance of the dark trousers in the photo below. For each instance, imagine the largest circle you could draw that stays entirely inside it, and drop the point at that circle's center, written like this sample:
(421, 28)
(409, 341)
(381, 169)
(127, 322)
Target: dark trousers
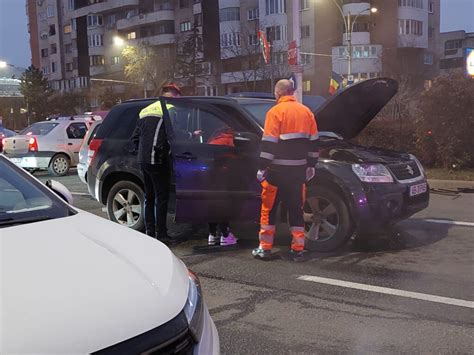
(223, 227)
(157, 191)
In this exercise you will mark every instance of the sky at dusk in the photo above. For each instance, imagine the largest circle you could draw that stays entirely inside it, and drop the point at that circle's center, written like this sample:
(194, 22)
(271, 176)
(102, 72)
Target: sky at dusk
(14, 43)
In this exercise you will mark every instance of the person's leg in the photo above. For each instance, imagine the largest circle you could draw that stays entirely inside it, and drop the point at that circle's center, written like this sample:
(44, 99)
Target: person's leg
(294, 199)
(267, 219)
(213, 237)
(149, 201)
(227, 237)
(162, 191)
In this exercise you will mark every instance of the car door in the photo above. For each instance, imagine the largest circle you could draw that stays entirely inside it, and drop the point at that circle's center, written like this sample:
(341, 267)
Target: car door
(215, 180)
(75, 133)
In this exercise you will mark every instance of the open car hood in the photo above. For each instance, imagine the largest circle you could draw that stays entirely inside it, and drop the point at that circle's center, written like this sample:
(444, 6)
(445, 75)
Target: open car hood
(348, 112)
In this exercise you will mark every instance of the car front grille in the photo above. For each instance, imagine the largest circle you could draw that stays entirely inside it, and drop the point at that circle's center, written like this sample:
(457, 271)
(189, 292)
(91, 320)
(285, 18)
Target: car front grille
(181, 345)
(405, 171)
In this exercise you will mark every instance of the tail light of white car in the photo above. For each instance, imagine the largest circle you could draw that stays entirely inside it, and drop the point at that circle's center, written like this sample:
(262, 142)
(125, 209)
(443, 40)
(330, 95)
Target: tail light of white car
(93, 149)
(33, 144)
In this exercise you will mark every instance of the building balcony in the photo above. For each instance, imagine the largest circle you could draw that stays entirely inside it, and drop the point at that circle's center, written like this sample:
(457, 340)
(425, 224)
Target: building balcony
(412, 41)
(356, 8)
(103, 7)
(228, 3)
(155, 40)
(357, 38)
(97, 70)
(241, 76)
(143, 19)
(365, 59)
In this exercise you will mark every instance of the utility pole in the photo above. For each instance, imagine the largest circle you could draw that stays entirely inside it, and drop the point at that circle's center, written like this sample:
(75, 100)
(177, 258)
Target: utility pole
(297, 39)
(349, 45)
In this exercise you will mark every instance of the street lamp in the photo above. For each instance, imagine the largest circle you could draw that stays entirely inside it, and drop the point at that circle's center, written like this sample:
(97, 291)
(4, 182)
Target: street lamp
(118, 41)
(3, 64)
(349, 26)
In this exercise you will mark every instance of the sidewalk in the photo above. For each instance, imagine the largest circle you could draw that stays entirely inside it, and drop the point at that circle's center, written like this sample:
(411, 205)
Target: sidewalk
(450, 184)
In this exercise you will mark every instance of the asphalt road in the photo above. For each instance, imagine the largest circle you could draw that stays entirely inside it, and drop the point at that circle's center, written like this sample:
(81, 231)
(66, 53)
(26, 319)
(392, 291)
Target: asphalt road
(410, 290)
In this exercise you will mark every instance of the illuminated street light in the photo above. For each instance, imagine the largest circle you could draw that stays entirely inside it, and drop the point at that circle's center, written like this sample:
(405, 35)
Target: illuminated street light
(373, 10)
(118, 41)
(3, 64)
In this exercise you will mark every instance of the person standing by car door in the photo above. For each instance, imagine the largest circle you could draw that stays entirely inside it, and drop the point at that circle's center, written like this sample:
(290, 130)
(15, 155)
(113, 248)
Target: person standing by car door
(287, 160)
(154, 158)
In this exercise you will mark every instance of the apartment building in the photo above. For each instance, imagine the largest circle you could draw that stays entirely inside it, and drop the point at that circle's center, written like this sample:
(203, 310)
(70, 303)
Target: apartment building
(454, 48)
(75, 38)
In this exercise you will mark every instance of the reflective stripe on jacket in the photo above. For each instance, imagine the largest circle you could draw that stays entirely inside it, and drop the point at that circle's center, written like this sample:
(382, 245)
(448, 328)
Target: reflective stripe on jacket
(289, 142)
(150, 135)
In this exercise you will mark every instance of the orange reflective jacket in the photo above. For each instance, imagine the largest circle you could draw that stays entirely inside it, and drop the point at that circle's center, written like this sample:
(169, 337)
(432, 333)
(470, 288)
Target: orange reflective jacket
(289, 142)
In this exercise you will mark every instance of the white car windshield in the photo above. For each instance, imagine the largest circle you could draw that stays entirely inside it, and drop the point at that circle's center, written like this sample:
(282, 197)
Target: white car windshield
(39, 128)
(24, 200)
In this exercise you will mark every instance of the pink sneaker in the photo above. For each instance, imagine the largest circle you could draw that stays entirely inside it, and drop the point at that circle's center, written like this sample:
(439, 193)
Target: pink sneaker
(229, 240)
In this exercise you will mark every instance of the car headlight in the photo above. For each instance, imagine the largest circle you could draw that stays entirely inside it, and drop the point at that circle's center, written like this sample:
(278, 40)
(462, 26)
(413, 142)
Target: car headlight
(194, 307)
(422, 171)
(372, 172)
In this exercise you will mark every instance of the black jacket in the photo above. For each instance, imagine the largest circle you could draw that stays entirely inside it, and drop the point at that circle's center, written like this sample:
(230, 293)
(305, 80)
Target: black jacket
(151, 141)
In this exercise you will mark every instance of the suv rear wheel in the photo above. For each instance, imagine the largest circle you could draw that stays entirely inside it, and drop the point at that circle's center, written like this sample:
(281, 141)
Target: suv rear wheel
(59, 165)
(124, 205)
(327, 221)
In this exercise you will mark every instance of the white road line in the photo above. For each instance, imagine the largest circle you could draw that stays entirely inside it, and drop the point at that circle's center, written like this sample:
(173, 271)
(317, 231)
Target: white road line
(446, 221)
(388, 291)
(80, 193)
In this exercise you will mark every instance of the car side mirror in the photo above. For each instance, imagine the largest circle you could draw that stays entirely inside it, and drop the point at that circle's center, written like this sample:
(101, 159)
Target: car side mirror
(60, 190)
(245, 140)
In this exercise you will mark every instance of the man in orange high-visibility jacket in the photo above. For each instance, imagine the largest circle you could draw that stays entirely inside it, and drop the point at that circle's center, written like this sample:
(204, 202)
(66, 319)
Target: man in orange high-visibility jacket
(287, 160)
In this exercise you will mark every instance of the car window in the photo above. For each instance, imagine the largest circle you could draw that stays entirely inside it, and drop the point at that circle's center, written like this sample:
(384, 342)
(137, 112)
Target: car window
(24, 199)
(39, 128)
(182, 122)
(120, 123)
(213, 129)
(76, 130)
(258, 110)
(93, 133)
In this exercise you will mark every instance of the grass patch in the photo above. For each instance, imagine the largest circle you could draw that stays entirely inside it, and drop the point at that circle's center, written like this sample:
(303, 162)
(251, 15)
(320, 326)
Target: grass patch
(446, 174)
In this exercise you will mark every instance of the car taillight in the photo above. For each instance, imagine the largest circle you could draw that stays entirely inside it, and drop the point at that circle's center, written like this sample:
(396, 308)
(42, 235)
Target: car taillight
(93, 149)
(32, 144)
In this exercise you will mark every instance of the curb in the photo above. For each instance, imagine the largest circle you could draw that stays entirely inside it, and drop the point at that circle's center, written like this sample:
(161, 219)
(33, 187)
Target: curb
(450, 184)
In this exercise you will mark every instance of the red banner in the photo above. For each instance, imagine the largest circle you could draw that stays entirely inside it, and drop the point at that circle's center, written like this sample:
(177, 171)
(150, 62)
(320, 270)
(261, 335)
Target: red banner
(265, 46)
(292, 53)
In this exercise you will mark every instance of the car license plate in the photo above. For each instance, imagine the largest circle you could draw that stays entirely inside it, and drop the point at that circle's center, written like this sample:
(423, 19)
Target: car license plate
(418, 189)
(15, 160)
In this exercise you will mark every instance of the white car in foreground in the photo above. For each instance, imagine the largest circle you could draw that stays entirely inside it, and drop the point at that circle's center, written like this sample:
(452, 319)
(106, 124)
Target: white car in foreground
(75, 283)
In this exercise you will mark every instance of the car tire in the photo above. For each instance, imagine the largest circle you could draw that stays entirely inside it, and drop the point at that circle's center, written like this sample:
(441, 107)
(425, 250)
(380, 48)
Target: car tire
(125, 205)
(331, 227)
(59, 165)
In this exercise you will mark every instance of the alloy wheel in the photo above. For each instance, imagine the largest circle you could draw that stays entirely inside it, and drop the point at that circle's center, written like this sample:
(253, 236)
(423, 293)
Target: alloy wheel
(126, 207)
(60, 165)
(321, 219)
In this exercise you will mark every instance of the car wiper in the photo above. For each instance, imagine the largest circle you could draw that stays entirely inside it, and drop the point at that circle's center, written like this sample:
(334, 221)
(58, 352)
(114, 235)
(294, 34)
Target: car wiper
(12, 221)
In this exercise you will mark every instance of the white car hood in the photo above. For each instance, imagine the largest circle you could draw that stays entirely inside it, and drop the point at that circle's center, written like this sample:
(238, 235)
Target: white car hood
(81, 283)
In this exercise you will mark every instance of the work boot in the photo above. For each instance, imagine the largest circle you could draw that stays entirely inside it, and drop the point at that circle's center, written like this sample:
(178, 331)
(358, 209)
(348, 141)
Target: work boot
(259, 253)
(213, 239)
(167, 240)
(298, 255)
(229, 240)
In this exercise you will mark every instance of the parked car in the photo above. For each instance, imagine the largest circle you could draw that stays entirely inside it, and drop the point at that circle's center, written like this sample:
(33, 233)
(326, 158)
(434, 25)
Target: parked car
(75, 283)
(356, 189)
(5, 133)
(53, 145)
(83, 163)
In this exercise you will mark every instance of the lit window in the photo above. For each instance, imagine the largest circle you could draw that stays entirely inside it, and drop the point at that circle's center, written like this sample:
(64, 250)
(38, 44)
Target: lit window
(185, 26)
(307, 85)
(115, 60)
(131, 35)
(67, 29)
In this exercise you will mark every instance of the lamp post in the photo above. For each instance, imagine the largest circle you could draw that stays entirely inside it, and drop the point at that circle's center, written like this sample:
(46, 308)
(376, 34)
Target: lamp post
(349, 23)
(297, 39)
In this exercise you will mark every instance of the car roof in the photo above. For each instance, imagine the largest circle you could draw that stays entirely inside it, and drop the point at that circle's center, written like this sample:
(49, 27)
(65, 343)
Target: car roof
(238, 100)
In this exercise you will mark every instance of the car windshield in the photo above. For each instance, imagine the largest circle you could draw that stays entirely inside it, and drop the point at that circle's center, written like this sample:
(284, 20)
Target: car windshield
(258, 110)
(24, 200)
(6, 133)
(39, 129)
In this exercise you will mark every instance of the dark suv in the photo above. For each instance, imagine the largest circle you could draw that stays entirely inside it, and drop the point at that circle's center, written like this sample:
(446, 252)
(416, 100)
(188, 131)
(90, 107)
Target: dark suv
(356, 189)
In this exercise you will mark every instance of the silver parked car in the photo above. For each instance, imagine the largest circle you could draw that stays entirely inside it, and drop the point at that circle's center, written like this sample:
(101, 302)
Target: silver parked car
(83, 163)
(49, 145)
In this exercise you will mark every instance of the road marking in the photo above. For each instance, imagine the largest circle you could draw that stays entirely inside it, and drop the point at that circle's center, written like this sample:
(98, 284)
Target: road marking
(388, 291)
(80, 193)
(446, 221)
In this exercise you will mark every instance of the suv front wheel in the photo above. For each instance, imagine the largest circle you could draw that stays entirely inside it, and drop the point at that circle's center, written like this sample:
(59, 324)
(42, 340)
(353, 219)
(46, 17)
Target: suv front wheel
(327, 221)
(124, 205)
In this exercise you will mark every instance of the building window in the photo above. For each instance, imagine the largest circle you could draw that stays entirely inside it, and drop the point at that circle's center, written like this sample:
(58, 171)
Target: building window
(185, 26)
(304, 5)
(431, 32)
(280, 58)
(431, 7)
(94, 20)
(305, 31)
(45, 70)
(307, 85)
(42, 16)
(53, 67)
(110, 21)
(115, 60)
(229, 14)
(68, 48)
(52, 30)
(252, 14)
(410, 27)
(54, 48)
(68, 67)
(50, 11)
(230, 39)
(44, 35)
(132, 35)
(44, 52)
(411, 3)
(203, 68)
(277, 33)
(453, 44)
(253, 40)
(95, 40)
(198, 20)
(373, 51)
(275, 7)
(67, 29)
(96, 60)
(428, 60)
(183, 3)
(70, 5)
(305, 59)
